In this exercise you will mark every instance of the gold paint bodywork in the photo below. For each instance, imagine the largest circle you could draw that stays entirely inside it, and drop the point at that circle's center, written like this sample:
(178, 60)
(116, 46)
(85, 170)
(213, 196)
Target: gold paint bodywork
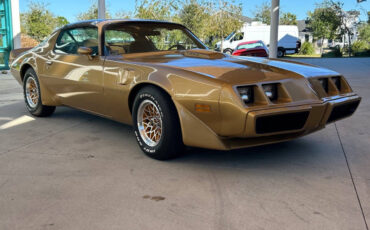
(201, 83)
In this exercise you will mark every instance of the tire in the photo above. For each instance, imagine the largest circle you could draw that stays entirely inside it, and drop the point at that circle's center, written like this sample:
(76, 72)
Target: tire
(228, 51)
(32, 95)
(280, 53)
(166, 141)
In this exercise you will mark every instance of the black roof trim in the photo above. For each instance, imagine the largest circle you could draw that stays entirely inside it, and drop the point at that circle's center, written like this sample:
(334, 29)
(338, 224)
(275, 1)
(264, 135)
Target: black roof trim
(94, 22)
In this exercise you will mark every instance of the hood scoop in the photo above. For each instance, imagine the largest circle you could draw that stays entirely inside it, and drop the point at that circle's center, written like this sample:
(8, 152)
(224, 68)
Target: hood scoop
(205, 54)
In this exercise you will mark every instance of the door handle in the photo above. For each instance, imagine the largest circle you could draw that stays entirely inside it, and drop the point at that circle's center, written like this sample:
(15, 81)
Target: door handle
(49, 62)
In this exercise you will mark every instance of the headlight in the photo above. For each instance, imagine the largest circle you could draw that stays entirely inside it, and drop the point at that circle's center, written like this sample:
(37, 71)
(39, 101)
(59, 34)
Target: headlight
(324, 84)
(271, 91)
(337, 83)
(246, 93)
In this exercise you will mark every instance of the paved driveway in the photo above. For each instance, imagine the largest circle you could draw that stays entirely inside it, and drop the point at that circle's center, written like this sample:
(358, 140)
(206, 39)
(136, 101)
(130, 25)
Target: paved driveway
(77, 171)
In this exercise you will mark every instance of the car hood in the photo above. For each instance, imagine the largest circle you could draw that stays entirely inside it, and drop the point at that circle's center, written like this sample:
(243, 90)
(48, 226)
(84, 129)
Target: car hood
(231, 69)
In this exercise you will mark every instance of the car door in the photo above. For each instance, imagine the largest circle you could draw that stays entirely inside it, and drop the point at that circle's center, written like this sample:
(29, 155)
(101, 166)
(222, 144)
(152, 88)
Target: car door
(118, 74)
(77, 80)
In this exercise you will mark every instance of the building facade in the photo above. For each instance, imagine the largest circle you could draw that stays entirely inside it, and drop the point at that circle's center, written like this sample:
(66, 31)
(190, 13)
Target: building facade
(10, 32)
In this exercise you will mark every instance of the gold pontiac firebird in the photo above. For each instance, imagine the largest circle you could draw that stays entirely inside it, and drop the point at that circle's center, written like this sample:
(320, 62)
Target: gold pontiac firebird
(159, 77)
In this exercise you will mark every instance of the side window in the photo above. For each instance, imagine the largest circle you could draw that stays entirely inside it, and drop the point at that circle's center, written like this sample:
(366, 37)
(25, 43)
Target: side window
(238, 36)
(117, 42)
(70, 40)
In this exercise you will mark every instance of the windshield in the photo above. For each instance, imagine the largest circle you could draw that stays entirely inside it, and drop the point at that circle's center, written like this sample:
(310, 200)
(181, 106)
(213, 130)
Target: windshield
(138, 37)
(250, 46)
(230, 35)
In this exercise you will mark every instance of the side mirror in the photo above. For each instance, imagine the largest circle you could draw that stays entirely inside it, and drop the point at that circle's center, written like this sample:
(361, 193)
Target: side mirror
(85, 51)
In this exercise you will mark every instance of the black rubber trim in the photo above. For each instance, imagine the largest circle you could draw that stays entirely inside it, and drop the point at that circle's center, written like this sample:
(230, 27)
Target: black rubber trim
(281, 122)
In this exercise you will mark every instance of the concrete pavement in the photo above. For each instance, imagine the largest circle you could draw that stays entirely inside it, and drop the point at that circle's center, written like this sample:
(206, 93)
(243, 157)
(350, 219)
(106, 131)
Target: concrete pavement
(77, 171)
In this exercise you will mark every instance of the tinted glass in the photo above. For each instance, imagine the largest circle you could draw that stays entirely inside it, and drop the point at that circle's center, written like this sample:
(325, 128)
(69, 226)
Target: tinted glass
(239, 36)
(148, 37)
(70, 40)
(250, 46)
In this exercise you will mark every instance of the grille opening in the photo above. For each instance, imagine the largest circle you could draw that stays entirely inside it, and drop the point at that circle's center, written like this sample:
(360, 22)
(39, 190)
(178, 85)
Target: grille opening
(344, 110)
(281, 122)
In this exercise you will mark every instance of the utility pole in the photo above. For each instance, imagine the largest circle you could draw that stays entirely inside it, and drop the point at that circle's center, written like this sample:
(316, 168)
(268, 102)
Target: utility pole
(101, 9)
(274, 28)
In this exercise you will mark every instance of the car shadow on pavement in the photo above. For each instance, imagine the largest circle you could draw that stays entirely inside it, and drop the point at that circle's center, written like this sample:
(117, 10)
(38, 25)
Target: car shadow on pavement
(302, 151)
(297, 151)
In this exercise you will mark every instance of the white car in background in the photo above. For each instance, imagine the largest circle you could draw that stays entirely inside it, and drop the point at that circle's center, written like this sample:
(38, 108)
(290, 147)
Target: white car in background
(288, 41)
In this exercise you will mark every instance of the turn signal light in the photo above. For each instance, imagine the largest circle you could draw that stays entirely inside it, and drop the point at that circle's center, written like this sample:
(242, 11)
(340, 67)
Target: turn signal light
(202, 108)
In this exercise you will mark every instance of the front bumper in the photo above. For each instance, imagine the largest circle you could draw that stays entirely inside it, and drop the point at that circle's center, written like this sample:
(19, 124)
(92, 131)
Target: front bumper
(304, 118)
(276, 125)
(266, 126)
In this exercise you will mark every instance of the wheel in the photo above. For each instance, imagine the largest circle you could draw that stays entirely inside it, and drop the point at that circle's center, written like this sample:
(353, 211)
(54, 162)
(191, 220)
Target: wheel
(32, 95)
(156, 124)
(228, 51)
(280, 53)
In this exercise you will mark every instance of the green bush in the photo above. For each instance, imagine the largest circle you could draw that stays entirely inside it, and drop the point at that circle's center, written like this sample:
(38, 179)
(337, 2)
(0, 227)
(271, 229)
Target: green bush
(307, 49)
(335, 52)
(360, 47)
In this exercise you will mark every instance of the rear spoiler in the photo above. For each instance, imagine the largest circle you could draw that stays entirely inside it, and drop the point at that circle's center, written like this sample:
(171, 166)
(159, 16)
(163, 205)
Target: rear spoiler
(16, 52)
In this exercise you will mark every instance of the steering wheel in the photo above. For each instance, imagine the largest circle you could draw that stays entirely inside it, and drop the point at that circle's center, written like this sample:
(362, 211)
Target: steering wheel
(177, 46)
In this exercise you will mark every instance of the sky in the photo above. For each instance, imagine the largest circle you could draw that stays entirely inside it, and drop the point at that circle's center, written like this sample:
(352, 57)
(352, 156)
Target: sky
(71, 8)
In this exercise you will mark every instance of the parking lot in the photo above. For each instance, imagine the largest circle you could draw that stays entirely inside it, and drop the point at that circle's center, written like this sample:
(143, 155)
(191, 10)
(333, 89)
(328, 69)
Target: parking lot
(77, 171)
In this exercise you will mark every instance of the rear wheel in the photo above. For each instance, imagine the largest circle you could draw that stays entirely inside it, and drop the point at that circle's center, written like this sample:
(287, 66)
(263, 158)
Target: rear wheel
(156, 124)
(32, 95)
(281, 53)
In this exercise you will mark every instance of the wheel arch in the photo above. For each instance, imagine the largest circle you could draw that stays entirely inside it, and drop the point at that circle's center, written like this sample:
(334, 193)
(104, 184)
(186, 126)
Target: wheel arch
(24, 68)
(228, 49)
(137, 87)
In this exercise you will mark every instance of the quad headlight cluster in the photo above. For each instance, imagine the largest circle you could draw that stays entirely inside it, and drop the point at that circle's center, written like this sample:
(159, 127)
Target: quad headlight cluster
(337, 82)
(271, 91)
(325, 83)
(246, 93)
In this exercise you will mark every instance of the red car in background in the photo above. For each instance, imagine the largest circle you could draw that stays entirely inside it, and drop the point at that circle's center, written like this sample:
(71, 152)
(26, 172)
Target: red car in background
(252, 48)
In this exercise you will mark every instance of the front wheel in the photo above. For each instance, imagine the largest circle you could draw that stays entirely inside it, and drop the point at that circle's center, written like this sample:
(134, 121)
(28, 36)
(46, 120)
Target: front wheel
(156, 124)
(228, 51)
(32, 95)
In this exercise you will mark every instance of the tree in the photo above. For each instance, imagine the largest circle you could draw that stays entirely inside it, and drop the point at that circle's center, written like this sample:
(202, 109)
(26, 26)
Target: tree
(324, 22)
(38, 22)
(196, 17)
(92, 13)
(368, 17)
(263, 13)
(60, 21)
(288, 19)
(155, 9)
(347, 20)
(226, 18)
(364, 32)
(123, 14)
